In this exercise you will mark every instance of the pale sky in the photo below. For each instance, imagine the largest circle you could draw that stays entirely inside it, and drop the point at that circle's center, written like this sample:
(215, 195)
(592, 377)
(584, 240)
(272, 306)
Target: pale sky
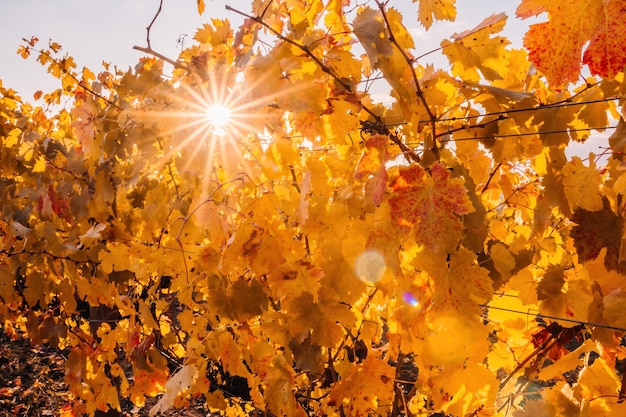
(93, 31)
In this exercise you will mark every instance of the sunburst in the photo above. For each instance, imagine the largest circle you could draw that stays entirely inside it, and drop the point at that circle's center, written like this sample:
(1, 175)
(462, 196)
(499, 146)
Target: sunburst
(218, 117)
(212, 127)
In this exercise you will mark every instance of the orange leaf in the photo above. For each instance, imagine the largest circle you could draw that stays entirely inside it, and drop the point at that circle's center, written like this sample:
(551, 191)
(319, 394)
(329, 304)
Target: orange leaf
(574, 23)
(375, 155)
(605, 53)
(432, 203)
(366, 386)
(373, 162)
(200, 6)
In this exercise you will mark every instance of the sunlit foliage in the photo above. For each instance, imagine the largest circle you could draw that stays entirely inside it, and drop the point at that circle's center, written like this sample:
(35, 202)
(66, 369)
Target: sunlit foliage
(246, 226)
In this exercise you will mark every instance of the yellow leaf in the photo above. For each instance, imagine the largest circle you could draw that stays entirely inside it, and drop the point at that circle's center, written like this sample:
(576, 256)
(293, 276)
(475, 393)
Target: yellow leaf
(502, 259)
(279, 396)
(568, 362)
(620, 184)
(367, 386)
(369, 28)
(487, 23)
(12, 138)
(464, 389)
(178, 383)
(598, 380)
(40, 165)
(582, 184)
(478, 52)
(469, 344)
(460, 284)
(435, 9)
(324, 321)
(613, 308)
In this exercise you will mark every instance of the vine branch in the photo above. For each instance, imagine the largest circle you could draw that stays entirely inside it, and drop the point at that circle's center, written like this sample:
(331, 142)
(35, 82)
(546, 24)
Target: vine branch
(149, 50)
(149, 28)
(65, 71)
(348, 87)
(420, 93)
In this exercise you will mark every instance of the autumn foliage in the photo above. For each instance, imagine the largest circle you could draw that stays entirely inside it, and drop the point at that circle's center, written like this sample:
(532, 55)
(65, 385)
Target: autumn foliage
(323, 252)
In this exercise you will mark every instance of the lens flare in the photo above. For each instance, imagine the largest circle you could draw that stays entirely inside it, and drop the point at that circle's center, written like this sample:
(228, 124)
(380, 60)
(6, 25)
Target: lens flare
(370, 265)
(410, 299)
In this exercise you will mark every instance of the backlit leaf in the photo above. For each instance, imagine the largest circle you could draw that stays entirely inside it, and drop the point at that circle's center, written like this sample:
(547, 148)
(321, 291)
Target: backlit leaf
(178, 383)
(367, 386)
(200, 6)
(430, 204)
(596, 230)
(476, 51)
(582, 184)
(369, 28)
(431, 10)
(603, 27)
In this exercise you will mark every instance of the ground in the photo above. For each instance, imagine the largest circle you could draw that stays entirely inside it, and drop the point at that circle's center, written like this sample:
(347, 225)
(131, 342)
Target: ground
(31, 384)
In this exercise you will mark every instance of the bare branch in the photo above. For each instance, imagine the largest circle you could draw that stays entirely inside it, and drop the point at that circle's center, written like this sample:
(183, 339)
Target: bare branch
(152, 52)
(149, 28)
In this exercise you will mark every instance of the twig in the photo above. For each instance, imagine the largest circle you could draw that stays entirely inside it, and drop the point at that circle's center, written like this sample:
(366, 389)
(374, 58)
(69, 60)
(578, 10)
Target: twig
(418, 88)
(348, 87)
(150, 51)
(491, 176)
(370, 297)
(480, 125)
(78, 82)
(149, 28)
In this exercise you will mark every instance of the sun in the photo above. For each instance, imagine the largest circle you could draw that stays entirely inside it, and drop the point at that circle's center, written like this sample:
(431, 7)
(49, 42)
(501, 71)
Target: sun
(218, 117)
(213, 126)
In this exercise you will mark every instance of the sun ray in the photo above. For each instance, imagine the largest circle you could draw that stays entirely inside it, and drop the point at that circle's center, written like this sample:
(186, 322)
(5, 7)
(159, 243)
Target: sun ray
(212, 124)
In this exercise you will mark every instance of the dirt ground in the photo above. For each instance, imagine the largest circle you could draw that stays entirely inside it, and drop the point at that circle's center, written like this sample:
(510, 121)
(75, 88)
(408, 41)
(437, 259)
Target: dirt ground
(31, 384)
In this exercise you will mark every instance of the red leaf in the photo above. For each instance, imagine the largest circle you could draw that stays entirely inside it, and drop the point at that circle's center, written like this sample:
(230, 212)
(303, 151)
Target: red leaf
(555, 46)
(431, 203)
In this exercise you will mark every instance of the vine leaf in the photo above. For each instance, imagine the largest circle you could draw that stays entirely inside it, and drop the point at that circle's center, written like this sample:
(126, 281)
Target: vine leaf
(595, 230)
(201, 6)
(369, 28)
(494, 20)
(366, 385)
(278, 395)
(179, 382)
(430, 10)
(323, 320)
(373, 161)
(464, 389)
(570, 361)
(432, 203)
(604, 28)
(598, 380)
(582, 184)
(475, 50)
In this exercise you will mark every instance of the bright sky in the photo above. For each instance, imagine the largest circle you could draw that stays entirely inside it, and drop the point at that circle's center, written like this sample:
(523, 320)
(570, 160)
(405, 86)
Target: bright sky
(93, 32)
